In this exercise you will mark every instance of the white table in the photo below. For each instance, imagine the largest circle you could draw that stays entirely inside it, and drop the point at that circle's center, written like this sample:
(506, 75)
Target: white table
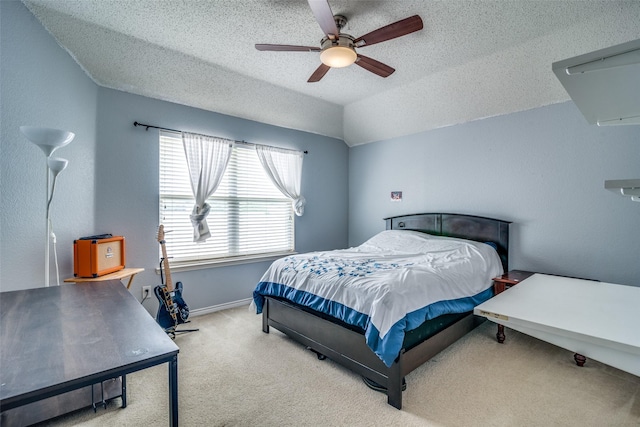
(593, 319)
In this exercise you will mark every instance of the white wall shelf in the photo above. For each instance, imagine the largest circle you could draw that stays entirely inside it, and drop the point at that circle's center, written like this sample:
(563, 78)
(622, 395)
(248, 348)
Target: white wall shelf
(625, 187)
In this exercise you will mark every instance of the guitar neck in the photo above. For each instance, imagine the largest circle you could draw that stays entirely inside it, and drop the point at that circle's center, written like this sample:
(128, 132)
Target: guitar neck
(167, 270)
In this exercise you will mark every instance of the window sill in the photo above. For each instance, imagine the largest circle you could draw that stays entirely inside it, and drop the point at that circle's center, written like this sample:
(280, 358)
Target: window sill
(223, 262)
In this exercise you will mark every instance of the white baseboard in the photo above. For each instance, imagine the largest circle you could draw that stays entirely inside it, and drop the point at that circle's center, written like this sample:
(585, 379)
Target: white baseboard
(219, 307)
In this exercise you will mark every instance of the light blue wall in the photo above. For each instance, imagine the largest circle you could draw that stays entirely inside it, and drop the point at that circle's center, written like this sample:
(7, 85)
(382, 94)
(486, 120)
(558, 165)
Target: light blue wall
(542, 169)
(111, 184)
(127, 189)
(40, 85)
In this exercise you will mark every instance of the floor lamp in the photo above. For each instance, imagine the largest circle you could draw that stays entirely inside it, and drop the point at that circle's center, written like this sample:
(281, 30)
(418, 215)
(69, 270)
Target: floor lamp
(49, 140)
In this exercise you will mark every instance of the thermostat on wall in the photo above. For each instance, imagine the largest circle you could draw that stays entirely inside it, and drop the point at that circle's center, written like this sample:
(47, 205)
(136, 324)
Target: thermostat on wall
(396, 196)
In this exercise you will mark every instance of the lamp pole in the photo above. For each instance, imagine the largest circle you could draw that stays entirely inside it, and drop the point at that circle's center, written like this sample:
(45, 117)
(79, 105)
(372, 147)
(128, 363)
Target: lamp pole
(49, 140)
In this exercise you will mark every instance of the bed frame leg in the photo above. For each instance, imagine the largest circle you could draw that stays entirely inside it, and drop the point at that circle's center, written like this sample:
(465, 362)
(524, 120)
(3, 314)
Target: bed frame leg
(394, 388)
(265, 317)
(317, 353)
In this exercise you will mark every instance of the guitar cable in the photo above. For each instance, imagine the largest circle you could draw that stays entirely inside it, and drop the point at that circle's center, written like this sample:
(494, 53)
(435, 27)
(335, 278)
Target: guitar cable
(145, 298)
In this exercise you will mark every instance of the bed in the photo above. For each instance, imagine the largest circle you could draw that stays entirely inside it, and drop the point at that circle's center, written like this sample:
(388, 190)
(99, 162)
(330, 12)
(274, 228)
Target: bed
(385, 346)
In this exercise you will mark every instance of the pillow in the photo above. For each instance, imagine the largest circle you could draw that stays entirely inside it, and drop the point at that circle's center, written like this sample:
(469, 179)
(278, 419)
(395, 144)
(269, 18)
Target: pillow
(409, 241)
(399, 241)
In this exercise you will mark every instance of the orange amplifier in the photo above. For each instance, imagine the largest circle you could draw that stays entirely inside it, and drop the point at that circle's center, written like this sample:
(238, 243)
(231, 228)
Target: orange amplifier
(98, 255)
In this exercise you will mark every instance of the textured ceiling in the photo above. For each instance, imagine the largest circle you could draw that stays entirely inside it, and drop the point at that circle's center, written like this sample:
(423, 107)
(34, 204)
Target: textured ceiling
(473, 59)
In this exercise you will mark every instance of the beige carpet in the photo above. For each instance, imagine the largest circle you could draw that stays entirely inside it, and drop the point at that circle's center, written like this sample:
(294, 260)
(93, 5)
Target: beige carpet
(233, 374)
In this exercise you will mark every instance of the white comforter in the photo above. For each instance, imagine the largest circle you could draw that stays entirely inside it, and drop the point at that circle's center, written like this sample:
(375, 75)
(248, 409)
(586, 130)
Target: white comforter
(394, 279)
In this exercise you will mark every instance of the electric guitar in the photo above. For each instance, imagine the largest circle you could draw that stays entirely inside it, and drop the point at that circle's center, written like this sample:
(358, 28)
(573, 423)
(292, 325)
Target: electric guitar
(172, 310)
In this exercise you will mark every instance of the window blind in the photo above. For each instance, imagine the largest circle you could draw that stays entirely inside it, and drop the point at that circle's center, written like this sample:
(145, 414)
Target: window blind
(249, 216)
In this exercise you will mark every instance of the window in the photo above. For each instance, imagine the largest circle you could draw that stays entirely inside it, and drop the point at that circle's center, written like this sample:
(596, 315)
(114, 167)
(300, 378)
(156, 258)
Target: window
(249, 217)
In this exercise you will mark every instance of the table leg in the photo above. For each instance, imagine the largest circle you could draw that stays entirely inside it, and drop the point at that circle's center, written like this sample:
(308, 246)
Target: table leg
(124, 391)
(580, 359)
(173, 392)
(500, 335)
(498, 288)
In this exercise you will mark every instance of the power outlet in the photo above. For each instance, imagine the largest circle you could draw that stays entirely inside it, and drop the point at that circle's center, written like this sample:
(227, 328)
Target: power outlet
(146, 290)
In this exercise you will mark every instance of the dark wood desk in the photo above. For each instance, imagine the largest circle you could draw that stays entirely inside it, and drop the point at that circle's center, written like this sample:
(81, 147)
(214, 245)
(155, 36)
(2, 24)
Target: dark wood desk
(61, 338)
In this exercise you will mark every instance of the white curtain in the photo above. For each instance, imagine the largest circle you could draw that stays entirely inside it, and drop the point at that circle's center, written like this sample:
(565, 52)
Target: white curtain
(207, 159)
(284, 167)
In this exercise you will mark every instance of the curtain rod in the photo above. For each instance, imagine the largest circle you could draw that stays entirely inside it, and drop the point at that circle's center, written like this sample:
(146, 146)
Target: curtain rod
(179, 131)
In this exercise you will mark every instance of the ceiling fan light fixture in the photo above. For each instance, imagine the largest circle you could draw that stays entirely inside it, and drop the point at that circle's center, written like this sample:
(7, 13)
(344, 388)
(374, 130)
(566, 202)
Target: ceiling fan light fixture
(338, 56)
(338, 53)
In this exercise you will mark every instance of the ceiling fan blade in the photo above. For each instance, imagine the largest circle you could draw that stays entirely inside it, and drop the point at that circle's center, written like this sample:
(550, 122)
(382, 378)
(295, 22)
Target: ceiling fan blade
(391, 31)
(287, 48)
(376, 67)
(322, 11)
(318, 73)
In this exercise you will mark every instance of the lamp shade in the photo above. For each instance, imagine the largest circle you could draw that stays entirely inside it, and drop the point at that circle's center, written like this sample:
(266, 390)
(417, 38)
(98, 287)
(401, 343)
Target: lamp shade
(57, 165)
(47, 139)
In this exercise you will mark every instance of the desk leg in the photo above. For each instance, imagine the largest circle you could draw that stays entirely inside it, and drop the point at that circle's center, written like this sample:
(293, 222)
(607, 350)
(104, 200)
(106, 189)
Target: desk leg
(173, 392)
(124, 391)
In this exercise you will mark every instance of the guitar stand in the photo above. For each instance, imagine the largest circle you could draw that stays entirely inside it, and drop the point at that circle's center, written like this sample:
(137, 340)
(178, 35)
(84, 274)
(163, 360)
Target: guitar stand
(172, 331)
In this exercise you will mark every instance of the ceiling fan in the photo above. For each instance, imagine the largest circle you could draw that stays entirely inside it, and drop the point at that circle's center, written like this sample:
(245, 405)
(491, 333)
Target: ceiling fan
(339, 50)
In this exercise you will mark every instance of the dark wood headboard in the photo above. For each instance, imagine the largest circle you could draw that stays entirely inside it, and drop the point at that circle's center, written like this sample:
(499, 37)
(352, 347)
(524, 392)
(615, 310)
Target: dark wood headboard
(468, 227)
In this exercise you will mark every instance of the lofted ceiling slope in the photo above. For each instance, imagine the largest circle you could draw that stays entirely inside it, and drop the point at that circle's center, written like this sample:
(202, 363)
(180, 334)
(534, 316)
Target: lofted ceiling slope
(473, 59)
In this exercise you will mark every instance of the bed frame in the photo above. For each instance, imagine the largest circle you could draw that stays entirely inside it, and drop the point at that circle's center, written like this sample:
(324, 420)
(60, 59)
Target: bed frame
(348, 347)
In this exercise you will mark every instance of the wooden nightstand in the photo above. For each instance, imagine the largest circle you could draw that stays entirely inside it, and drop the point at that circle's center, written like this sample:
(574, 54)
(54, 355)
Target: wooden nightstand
(509, 279)
(500, 284)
